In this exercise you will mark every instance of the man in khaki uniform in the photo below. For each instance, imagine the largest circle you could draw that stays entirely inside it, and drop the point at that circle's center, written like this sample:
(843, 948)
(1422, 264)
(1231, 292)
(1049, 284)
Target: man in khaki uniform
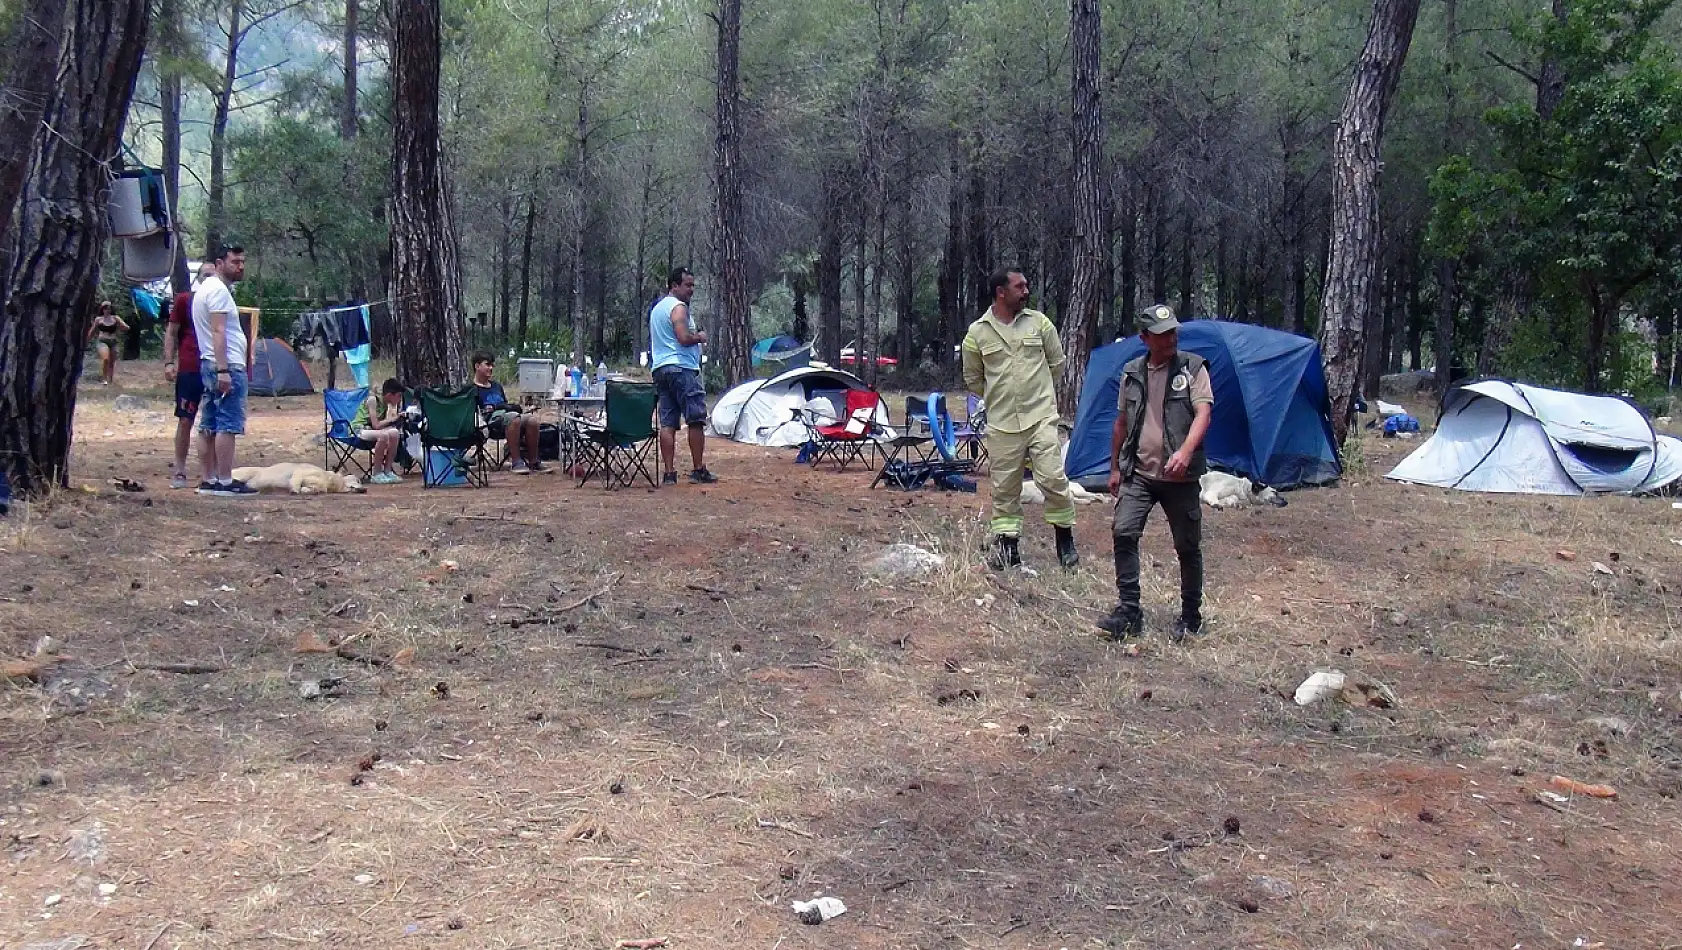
(1011, 359)
(1156, 458)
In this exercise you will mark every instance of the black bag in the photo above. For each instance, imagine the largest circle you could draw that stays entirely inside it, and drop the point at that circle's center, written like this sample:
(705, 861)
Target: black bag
(549, 442)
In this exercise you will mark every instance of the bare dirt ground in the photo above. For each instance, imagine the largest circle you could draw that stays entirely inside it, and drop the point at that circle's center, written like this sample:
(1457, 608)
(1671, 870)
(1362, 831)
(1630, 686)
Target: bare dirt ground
(668, 714)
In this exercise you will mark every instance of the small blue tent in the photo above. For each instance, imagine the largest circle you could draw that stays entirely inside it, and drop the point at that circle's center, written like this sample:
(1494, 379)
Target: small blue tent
(784, 350)
(1271, 422)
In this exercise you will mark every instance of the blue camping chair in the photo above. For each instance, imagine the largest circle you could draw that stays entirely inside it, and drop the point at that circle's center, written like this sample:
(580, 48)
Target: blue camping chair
(340, 445)
(972, 435)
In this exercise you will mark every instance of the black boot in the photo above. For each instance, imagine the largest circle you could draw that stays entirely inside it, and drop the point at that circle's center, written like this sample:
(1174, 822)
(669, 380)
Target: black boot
(1066, 554)
(1005, 553)
(1122, 623)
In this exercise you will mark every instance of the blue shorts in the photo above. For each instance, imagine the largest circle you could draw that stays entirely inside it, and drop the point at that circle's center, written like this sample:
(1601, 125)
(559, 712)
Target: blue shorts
(219, 413)
(682, 397)
(189, 389)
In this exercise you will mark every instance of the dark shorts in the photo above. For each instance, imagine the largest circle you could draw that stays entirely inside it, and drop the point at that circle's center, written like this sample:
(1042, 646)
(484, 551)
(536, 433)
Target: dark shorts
(189, 389)
(682, 397)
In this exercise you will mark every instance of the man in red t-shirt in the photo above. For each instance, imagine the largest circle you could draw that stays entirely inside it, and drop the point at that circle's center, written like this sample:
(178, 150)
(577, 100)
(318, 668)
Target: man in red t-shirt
(181, 365)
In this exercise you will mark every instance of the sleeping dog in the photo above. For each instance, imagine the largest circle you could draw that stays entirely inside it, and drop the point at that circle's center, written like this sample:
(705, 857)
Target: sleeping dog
(1220, 490)
(299, 479)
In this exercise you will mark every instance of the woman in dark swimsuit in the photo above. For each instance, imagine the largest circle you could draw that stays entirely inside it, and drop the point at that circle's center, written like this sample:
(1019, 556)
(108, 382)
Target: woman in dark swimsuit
(103, 333)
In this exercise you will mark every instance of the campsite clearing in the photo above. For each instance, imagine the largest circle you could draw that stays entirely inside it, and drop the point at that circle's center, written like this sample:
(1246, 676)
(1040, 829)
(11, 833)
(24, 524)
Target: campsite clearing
(554, 717)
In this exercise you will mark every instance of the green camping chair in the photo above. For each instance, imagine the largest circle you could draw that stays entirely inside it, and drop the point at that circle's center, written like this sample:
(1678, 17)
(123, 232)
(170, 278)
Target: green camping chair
(625, 446)
(453, 442)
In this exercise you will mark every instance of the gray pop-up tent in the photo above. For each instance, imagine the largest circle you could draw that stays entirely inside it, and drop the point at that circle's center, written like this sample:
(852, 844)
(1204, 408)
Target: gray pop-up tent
(1498, 436)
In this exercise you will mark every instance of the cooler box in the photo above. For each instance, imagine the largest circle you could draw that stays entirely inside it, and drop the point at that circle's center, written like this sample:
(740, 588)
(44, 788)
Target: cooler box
(441, 467)
(536, 378)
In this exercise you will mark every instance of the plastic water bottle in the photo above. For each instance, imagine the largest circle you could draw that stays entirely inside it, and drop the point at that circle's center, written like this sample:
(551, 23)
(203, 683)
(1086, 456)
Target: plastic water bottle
(563, 381)
(601, 372)
(577, 381)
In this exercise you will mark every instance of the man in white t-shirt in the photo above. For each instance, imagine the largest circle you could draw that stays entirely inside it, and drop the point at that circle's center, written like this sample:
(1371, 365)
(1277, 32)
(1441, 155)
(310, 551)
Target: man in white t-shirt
(222, 366)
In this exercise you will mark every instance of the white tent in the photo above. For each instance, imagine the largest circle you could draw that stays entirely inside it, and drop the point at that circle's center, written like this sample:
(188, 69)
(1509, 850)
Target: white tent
(761, 411)
(1496, 436)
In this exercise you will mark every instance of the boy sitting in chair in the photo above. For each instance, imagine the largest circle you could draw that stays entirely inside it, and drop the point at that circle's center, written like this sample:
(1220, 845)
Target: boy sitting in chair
(380, 421)
(504, 418)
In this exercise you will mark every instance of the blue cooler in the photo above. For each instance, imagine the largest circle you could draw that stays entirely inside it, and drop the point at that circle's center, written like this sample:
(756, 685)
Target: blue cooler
(443, 467)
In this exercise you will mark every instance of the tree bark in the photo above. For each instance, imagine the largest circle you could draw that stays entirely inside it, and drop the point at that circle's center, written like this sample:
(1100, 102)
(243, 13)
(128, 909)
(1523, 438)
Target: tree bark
(950, 286)
(1091, 238)
(1188, 263)
(1159, 247)
(347, 109)
(222, 96)
(731, 345)
(831, 255)
(1354, 238)
(54, 270)
(426, 278)
(169, 106)
(1442, 335)
(525, 266)
(31, 49)
(1129, 260)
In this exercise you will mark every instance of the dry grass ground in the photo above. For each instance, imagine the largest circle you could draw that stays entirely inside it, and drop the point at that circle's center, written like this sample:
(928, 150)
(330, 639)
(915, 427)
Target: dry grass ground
(668, 714)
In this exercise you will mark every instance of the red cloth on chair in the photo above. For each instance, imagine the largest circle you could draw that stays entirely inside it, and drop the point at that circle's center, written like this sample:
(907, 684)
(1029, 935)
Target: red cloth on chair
(857, 400)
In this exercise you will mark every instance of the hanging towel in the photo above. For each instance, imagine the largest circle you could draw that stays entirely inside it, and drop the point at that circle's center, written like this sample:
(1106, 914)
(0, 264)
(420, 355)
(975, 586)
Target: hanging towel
(357, 348)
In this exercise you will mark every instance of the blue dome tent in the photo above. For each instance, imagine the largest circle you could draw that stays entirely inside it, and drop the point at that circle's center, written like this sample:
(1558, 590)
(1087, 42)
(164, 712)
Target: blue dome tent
(784, 350)
(1271, 422)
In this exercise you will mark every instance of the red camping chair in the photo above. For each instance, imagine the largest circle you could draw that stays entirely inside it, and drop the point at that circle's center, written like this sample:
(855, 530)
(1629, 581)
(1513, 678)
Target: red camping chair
(846, 440)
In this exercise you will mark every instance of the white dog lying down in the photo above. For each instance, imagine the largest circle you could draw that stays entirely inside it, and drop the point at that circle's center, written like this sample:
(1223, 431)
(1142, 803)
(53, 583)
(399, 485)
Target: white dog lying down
(300, 479)
(1217, 489)
(1220, 490)
(1032, 495)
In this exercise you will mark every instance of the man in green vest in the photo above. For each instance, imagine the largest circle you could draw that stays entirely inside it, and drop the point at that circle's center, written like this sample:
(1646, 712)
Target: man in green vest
(1156, 458)
(1011, 359)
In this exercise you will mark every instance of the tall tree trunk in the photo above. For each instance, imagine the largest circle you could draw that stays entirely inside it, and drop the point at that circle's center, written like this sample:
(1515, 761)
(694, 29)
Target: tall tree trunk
(1664, 338)
(1159, 246)
(347, 109)
(1091, 238)
(169, 106)
(1550, 81)
(639, 276)
(580, 226)
(223, 98)
(1129, 260)
(831, 254)
(731, 346)
(1442, 334)
(504, 305)
(1354, 237)
(1188, 264)
(951, 282)
(525, 265)
(905, 293)
(1603, 315)
(980, 241)
(54, 264)
(426, 278)
(30, 51)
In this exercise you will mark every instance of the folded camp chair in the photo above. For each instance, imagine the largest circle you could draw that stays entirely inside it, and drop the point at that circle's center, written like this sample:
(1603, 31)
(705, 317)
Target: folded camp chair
(451, 438)
(972, 435)
(625, 445)
(846, 441)
(340, 446)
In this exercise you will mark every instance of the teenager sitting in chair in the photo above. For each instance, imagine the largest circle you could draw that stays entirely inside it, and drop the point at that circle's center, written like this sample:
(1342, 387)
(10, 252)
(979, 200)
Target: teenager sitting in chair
(380, 421)
(504, 418)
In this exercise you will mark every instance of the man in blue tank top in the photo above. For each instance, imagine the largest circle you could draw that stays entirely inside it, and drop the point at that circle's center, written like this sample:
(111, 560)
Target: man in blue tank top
(676, 357)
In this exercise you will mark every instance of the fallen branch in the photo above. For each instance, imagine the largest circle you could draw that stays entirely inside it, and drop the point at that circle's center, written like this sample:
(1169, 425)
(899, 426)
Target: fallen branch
(27, 669)
(642, 943)
(188, 669)
(495, 520)
(615, 648)
(713, 592)
(777, 826)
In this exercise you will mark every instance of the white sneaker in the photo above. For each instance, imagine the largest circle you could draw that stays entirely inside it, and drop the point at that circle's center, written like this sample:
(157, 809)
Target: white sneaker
(521, 468)
(178, 481)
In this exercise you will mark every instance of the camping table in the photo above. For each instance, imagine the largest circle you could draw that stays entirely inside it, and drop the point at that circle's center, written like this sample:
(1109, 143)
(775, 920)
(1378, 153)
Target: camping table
(576, 412)
(913, 450)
